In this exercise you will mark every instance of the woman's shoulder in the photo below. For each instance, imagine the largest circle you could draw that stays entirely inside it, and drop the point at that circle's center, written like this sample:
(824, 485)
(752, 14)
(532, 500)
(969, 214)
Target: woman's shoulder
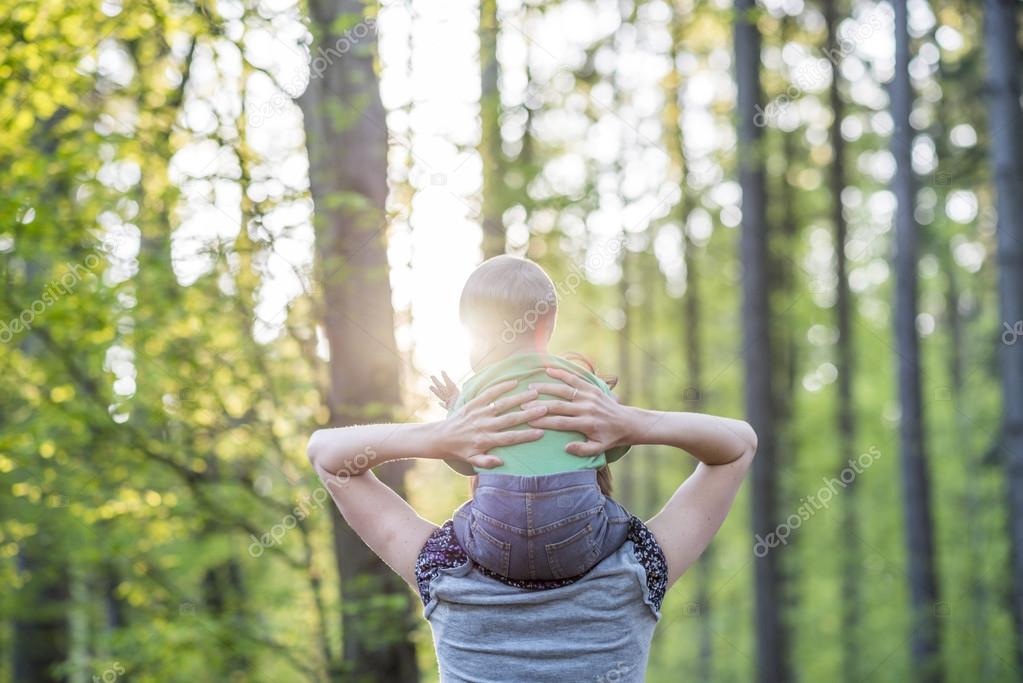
(441, 554)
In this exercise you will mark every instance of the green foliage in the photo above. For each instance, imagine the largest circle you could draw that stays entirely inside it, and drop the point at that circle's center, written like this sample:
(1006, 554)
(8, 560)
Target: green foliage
(153, 488)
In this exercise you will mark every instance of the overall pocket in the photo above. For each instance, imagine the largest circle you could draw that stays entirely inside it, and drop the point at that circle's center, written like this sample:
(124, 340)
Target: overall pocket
(487, 550)
(575, 555)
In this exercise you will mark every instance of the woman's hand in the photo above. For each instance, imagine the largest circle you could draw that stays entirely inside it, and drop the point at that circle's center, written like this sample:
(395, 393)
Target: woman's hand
(481, 425)
(585, 409)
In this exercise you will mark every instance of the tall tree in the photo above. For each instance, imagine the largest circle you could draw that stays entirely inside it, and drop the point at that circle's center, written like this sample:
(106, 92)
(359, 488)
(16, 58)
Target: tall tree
(772, 663)
(648, 496)
(626, 389)
(691, 396)
(916, 497)
(1001, 25)
(490, 135)
(346, 139)
(843, 359)
(41, 640)
(783, 243)
(959, 313)
(693, 399)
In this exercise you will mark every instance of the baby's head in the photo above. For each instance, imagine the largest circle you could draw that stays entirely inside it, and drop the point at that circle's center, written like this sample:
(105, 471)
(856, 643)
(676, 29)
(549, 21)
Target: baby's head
(508, 305)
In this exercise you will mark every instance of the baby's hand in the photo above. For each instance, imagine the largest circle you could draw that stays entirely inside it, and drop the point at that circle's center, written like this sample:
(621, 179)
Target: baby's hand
(446, 391)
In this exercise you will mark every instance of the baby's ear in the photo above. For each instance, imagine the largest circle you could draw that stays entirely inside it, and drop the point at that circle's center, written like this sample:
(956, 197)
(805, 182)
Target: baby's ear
(549, 322)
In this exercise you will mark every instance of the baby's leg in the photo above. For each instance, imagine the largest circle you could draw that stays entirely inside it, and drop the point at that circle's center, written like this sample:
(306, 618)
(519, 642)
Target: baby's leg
(485, 528)
(570, 529)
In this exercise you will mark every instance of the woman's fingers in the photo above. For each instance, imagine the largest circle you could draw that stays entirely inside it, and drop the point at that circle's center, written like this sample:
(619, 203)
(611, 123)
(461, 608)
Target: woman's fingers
(505, 404)
(519, 417)
(557, 423)
(558, 407)
(569, 378)
(492, 394)
(515, 436)
(560, 390)
(585, 448)
(486, 461)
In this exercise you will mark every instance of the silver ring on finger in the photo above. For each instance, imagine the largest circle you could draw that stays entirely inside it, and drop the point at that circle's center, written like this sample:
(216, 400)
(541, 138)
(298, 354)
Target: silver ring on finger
(493, 407)
(575, 392)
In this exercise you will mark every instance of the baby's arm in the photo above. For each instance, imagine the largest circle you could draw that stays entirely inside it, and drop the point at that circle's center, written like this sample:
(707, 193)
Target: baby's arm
(446, 391)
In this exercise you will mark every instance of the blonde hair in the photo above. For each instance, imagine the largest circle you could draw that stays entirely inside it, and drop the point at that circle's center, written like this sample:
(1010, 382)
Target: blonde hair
(507, 297)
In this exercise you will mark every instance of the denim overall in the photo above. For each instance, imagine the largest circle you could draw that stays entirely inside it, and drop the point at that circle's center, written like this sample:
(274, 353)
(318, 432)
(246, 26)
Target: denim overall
(553, 526)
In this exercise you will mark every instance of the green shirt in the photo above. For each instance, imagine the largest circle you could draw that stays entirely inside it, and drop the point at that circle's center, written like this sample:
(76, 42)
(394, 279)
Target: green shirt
(547, 454)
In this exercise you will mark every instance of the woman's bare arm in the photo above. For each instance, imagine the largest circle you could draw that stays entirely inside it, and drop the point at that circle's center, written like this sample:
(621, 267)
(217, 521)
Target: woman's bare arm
(689, 520)
(388, 525)
(724, 447)
(342, 459)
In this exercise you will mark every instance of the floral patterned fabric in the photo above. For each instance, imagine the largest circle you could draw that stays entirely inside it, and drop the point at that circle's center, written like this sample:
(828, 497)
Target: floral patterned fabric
(441, 551)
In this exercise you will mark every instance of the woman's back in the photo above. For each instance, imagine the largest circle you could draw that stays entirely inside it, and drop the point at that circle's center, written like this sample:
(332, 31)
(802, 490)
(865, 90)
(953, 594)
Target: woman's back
(598, 628)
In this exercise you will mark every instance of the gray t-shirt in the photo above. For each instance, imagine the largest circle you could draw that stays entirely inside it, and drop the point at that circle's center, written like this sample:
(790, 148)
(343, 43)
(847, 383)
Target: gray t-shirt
(597, 628)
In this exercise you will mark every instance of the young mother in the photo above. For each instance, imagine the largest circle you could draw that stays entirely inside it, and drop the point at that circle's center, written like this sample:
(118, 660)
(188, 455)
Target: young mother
(594, 628)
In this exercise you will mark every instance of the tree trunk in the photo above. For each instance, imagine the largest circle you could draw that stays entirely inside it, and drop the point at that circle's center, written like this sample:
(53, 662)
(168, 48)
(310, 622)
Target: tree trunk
(626, 390)
(347, 142)
(782, 283)
(224, 597)
(1006, 125)
(781, 287)
(41, 638)
(923, 584)
(648, 496)
(844, 364)
(973, 497)
(41, 641)
(490, 135)
(692, 399)
(772, 664)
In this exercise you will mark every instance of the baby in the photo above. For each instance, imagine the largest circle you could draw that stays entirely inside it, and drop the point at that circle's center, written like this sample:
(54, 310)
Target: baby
(542, 514)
